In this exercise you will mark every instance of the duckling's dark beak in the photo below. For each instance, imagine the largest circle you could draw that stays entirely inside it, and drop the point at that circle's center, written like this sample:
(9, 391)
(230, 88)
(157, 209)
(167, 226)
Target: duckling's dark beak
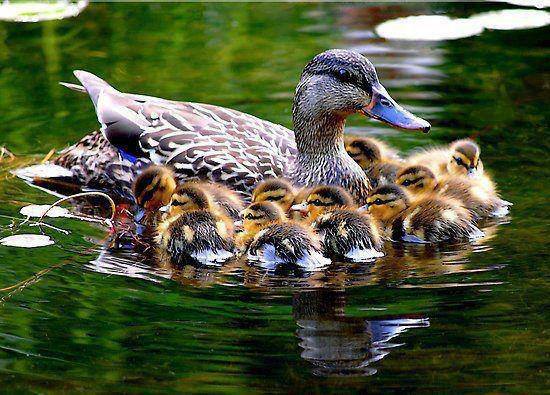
(385, 109)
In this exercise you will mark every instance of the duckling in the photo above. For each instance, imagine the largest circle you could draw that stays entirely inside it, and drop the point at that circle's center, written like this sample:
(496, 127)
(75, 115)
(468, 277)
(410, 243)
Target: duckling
(346, 233)
(431, 219)
(152, 189)
(195, 228)
(380, 162)
(223, 196)
(481, 200)
(462, 157)
(275, 190)
(269, 238)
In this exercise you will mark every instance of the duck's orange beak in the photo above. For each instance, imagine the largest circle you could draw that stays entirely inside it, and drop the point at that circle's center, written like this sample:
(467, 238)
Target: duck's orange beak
(385, 109)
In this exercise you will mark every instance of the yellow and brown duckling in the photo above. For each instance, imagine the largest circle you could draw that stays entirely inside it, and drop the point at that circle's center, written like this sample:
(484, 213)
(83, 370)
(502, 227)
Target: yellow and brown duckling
(224, 197)
(462, 157)
(346, 233)
(195, 228)
(152, 189)
(275, 190)
(482, 201)
(430, 219)
(380, 162)
(272, 240)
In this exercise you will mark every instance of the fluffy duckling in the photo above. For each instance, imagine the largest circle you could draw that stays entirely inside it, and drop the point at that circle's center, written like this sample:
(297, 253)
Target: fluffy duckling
(195, 228)
(482, 201)
(462, 157)
(346, 233)
(380, 162)
(275, 190)
(154, 187)
(273, 241)
(430, 219)
(226, 198)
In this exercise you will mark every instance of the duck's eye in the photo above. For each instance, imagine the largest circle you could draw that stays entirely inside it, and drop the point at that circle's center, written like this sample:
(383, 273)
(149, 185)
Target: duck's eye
(378, 201)
(344, 75)
(406, 183)
(458, 161)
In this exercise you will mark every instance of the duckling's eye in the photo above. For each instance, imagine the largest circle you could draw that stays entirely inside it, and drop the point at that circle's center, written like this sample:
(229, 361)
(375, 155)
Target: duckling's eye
(378, 201)
(344, 75)
(177, 203)
(273, 198)
(406, 183)
(249, 216)
(459, 161)
(316, 202)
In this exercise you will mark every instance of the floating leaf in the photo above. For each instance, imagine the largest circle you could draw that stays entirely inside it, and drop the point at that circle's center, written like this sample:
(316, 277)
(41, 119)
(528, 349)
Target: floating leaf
(26, 241)
(441, 27)
(35, 11)
(35, 210)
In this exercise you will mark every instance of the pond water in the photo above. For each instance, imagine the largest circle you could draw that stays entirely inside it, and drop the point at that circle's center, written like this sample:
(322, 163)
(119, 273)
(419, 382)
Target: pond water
(94, 317)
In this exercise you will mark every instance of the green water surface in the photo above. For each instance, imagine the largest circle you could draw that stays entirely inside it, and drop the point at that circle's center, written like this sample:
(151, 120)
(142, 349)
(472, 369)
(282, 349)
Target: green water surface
(468, 318)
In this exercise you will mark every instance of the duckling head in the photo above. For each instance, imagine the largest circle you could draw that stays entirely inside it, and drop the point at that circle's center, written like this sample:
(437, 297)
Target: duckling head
(259, 215)
(336, 84)
(386, 202)
(416, 179)
(465, 159)
(323, 199)
(364, 151)
(154, 187)
(189, 197)
(275, 190)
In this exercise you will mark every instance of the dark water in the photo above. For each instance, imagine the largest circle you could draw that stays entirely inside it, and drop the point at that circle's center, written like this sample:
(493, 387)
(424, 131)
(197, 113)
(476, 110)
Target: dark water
(463, 318)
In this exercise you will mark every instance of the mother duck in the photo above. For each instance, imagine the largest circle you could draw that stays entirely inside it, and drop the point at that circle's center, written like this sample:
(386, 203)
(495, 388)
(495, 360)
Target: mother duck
(228, 146)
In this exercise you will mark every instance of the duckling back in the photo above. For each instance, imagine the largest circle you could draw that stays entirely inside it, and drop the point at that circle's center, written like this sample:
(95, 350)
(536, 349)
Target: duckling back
(435, 219)
(198, 237)
(482, 201)
(287, 243)
(349, 235)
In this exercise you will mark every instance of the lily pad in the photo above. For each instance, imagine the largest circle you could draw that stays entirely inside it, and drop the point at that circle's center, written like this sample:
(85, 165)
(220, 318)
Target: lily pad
(35, 210)
(27, 241)
(441, 27)
(35, 11)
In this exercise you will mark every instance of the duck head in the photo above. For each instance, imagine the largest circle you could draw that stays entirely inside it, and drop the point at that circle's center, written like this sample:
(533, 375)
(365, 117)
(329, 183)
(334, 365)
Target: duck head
(465, 158)
(364, 151)
(154, 187)
(417, 179)
(338, 83)
(323, 199)
(275, 190)
(259, 215)
(189, 197)
(386, 202)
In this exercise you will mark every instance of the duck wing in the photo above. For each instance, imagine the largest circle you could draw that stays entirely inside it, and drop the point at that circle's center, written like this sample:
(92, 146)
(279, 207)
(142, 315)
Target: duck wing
(197, 140)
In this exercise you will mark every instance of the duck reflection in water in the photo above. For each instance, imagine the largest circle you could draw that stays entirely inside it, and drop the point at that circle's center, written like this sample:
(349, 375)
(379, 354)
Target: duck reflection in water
(339, 345)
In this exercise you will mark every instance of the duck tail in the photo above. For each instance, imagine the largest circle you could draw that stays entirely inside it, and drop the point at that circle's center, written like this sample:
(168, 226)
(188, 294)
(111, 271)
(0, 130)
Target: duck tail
(73, 87)
(91, 83)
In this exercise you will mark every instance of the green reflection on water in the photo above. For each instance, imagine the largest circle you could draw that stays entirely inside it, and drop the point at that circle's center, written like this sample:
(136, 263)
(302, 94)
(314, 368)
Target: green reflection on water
(77, 329)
